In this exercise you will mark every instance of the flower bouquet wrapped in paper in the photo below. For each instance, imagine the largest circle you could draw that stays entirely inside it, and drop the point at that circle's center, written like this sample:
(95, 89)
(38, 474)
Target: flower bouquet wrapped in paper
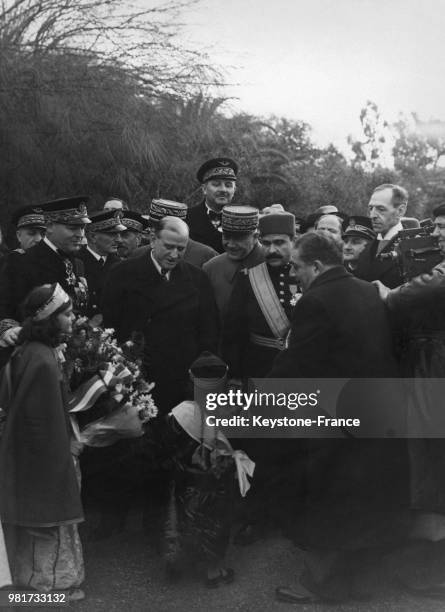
(110, 399)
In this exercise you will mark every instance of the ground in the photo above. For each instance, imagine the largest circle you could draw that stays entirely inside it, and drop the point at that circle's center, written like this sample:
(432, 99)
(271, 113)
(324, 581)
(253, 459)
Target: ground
(124, 572)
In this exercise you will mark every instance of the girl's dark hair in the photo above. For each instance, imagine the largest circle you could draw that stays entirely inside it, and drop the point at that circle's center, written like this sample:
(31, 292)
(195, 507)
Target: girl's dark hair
(46, 331)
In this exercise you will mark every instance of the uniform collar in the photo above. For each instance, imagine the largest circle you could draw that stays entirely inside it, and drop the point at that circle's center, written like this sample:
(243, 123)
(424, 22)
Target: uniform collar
(96, 256)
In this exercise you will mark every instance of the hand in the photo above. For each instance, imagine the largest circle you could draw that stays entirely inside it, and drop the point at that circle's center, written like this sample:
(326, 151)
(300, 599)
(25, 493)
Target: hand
(76, 447)
(10, 337)
(382, 289)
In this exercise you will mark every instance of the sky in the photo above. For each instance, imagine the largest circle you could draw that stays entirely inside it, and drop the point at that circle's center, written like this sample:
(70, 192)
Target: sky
(321, 60)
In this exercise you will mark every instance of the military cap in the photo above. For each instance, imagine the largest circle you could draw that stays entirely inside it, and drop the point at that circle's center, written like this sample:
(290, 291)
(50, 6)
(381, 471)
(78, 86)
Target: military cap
(277, 223)
(326, 209)
(107, 221)
(28, 216)
(439, 211)
(166, 208)
(218, 168)
(359, 226)
(134, 221)
(239, 219)
(69, 211)
(115, 204)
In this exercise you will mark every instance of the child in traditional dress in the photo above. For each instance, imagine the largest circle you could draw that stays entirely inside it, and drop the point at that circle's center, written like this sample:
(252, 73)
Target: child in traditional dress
(202, 490)
(40, 504)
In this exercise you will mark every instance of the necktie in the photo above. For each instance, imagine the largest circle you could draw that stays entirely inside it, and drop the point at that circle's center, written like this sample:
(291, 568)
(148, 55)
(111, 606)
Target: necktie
(102, 261)
(164, 273)
(382, 244)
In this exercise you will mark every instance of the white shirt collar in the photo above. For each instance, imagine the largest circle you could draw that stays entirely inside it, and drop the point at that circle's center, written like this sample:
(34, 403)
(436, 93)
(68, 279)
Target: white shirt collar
(96, 256)
(392, 232)
(50, 244)
(158, 267)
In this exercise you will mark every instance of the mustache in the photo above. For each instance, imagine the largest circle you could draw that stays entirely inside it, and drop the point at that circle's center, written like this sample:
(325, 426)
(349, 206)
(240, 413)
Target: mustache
(273, 257)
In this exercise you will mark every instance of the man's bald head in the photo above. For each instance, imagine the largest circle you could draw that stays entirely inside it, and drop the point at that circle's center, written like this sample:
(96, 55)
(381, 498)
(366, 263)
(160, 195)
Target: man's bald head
(170, 241)
(174, 224)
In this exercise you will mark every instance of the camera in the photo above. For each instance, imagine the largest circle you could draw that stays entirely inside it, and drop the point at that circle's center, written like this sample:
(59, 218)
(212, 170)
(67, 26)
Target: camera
(415, 250)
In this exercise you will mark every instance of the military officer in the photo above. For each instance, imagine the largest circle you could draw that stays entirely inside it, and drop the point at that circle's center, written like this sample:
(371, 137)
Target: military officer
(356, 237)
(135, 225)
(257, 318)
(196, 253)
(52, 260)
(240, 239)
(218, 179)
(100, 254)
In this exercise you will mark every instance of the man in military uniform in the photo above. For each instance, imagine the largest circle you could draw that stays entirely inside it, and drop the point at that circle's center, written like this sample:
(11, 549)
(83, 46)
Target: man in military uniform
(100, 254)
(196, 253)
(257, 319)
(386, 208)
(52, 260)
(218, 179)
(240, 239)
(356, 237)
(135, 224)
(255, 329)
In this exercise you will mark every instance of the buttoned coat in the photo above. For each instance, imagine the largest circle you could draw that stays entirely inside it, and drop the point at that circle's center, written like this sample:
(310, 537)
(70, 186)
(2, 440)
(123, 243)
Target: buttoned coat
(223, 271)
(202, 229)
(178, 319)
(95, 273)
(40, 265)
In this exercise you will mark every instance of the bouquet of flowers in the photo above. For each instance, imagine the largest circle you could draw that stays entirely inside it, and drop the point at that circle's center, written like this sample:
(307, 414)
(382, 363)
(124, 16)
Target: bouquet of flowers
(110, 399)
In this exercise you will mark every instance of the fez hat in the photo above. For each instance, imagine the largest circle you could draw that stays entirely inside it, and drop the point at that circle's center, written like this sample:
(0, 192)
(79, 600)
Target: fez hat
(68, 211)
(218, 168)
(359, 226)
(439, 210)
(166, 208)
(134, 221)
(239, 219)
(28, 216)
(107, 221)
(277, 223)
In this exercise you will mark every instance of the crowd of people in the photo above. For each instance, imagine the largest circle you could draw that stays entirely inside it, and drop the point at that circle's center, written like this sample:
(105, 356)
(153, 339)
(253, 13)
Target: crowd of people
(219, 294)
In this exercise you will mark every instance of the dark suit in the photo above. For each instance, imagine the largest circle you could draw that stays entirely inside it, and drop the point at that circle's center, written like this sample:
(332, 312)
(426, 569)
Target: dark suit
(41, 265)
(178, 319)
(202, 229)
(371, 267)
(339, 329)
(95, 273)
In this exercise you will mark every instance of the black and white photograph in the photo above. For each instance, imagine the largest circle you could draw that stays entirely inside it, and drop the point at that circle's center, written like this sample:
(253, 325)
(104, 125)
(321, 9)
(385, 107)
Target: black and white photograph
(222, 305)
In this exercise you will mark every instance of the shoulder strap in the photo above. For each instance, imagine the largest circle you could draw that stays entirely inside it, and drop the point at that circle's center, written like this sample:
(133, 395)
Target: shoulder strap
(268, 301)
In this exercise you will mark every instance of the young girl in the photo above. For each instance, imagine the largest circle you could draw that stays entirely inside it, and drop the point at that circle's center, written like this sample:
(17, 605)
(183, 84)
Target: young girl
(40, 504)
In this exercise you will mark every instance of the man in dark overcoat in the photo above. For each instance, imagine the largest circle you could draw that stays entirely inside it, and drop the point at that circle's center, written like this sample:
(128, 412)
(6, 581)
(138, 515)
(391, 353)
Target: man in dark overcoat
(355, 488)
(169, 302)
(386, 208)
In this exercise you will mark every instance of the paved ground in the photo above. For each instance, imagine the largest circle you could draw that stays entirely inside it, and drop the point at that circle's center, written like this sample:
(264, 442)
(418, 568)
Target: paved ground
(125, 573)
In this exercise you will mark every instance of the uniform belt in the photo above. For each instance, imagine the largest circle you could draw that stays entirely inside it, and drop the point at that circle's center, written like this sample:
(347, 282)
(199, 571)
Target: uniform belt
(275, 343)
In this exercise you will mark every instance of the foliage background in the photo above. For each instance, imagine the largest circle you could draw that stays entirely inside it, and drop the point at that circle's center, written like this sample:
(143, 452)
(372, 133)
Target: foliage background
(99, 97)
